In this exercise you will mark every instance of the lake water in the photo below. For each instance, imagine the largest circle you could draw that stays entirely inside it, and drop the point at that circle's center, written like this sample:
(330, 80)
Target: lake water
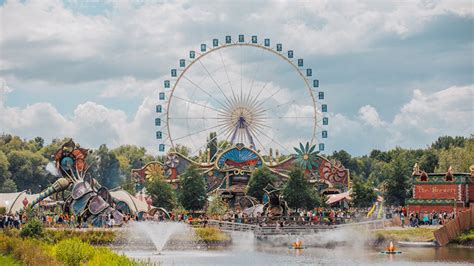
(257, 253)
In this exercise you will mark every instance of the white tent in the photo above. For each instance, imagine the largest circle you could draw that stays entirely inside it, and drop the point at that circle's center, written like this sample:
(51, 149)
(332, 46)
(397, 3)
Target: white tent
(13, 202)
(133, 203)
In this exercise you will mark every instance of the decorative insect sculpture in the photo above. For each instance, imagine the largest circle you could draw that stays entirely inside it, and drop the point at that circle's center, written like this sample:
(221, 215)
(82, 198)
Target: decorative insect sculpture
(88, 200)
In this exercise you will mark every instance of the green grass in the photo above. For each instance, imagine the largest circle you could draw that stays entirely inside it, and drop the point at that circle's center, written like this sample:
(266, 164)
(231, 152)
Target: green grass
(411, 234)
(465, 238)
(8, 261)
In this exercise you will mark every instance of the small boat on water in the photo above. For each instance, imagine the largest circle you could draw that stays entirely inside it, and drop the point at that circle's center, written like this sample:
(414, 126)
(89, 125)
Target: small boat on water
(297, 245)
(390, 249)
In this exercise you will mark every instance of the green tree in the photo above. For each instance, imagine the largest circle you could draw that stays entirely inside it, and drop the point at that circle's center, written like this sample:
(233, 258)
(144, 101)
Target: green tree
(429, 161)
(181, 149)
(162, 194)
(105, 167)
(259, 179)
(8, 186)
(192, 189)
(447, 142)
(363, 193)
(217, 205)
(460, 158)
(343, 156)
(297, 191)
(135, 156)
(27, 170)
(397, 181)
(4, 165)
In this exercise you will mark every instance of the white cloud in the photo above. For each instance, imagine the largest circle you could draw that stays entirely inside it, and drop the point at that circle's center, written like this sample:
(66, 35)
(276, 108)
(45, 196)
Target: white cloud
(136, 38)
(125, 52)
(370, 116)
(420, 121)
(129, 86)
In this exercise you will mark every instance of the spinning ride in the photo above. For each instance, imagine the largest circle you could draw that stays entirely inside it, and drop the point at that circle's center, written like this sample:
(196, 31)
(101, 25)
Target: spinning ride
(245, 91)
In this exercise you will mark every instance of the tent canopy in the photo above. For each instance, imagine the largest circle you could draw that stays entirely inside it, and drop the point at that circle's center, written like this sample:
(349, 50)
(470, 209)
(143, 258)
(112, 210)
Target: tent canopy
(335, 198)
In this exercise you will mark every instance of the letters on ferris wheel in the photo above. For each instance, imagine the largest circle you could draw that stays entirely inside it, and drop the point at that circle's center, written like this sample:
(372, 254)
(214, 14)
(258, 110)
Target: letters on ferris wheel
(290, 54)
(241, 38)
(215, 42)
(182, 63)
(254, 39)
(228, 39)
(192, 54)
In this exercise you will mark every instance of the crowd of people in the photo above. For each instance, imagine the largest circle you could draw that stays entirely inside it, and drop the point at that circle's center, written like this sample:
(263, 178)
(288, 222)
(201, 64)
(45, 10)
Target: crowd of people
(316, 216)
(11, 221)
(327, 216)
(418, 218)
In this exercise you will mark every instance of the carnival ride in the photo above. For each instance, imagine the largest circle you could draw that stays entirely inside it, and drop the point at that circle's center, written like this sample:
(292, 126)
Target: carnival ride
(233, 103)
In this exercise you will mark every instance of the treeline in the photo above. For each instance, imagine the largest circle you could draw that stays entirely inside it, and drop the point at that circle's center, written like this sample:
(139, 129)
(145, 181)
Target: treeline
(390, 171)
(22, 167)
(23, 164)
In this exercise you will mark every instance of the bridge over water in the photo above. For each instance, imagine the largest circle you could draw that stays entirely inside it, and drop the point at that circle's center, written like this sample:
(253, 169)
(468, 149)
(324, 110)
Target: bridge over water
(273, 230)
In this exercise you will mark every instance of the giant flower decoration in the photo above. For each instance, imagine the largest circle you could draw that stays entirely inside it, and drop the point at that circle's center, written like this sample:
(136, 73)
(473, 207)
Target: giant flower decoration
(307, 157)
(172, 161)
(153, 170)
(334, 172)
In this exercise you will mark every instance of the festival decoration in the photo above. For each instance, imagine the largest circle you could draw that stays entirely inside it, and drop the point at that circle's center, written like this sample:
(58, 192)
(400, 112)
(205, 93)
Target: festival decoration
(307, 157)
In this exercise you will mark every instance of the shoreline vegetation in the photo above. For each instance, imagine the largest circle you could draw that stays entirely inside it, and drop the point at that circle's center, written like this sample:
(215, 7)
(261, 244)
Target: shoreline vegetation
(35, 245)
(92, 247)
(421, 234)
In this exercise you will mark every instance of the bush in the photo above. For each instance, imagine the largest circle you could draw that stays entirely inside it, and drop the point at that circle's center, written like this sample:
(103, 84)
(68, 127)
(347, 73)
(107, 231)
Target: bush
(210, 234)
(91, 237)
(8, 260)
(103, 256)
(73, 251)
(33, 228)
(29, 251)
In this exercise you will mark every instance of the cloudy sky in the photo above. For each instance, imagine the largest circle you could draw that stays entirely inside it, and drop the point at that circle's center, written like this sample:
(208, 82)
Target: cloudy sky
(395, 73)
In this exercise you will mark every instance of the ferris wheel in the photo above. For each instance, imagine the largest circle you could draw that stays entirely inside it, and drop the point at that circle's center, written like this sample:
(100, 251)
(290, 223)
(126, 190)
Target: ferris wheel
(242, 91)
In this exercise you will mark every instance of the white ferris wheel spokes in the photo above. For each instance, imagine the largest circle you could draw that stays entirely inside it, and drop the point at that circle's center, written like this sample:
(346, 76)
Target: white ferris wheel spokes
(243, 92)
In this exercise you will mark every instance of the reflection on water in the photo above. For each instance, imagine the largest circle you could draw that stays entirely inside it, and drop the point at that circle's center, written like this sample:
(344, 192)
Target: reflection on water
(263, 254)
